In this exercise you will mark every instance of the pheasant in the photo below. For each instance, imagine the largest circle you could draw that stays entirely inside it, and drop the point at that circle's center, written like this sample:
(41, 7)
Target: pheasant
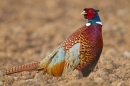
(81, 50)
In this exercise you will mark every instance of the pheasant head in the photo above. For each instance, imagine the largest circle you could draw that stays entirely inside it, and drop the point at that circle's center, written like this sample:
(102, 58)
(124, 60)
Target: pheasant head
(92, 16)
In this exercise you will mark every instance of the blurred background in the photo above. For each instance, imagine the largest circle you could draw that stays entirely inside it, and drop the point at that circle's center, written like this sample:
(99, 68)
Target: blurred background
(31, 29)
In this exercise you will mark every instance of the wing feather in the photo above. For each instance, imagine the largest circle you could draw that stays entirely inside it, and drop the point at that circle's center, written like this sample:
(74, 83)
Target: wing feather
(71, 59)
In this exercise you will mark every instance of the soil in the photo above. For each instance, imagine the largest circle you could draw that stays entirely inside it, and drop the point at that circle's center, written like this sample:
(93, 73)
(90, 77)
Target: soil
(31, 29)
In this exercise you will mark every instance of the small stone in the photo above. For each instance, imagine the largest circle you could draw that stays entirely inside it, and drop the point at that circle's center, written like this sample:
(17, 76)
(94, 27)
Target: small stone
(98, 80)
(9, 79)
(29, 82)
(1, 83)
(54, 79)
(114, 84)
(33, 73)
(15, 78)
(50, 80)
(60, 78)
(126, 54)
(102, 82)
(121, 84)
(38, 77)
(74, 75)
(25, 73)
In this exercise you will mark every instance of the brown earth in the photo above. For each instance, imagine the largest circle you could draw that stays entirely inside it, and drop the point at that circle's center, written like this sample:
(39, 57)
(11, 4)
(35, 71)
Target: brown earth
(31, 29)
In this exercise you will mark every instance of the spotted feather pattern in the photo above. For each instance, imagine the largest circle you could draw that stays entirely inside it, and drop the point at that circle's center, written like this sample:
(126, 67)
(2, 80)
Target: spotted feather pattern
(87, 53)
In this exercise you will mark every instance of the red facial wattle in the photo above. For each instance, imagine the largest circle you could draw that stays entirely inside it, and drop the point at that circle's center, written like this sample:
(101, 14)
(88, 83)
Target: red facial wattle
(90, 13)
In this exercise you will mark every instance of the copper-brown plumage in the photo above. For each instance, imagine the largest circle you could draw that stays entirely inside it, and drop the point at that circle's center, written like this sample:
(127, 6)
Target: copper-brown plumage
(81, 50)
(22, 68)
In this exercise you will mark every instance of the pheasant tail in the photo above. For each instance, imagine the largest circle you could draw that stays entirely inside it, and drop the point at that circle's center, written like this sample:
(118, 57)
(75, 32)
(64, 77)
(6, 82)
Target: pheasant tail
(29, 66)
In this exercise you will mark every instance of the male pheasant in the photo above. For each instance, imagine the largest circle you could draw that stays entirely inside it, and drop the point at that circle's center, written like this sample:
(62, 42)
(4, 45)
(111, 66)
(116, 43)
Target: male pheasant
(81, 50)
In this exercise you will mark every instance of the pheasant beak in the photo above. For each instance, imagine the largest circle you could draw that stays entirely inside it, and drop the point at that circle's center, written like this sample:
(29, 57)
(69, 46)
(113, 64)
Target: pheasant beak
(83, 13)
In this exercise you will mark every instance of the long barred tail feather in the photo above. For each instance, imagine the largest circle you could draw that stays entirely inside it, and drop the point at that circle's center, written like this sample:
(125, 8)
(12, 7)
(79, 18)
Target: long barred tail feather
(29, 66)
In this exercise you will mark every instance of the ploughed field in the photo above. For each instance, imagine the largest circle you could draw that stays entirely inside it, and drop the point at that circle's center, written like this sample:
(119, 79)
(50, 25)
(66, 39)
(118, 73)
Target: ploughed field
(30, 30)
